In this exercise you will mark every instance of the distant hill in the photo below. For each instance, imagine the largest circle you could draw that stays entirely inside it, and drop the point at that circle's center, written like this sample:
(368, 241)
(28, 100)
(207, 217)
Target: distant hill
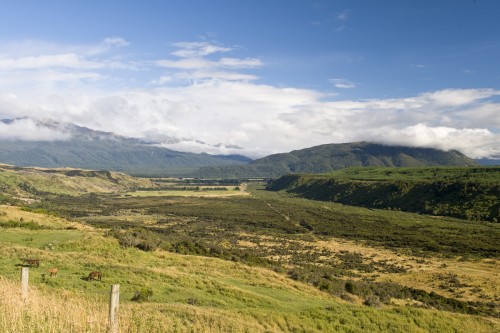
(89, 149)
(331, 157)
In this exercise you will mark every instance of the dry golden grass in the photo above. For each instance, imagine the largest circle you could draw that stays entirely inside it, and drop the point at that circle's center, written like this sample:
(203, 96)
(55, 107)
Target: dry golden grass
(14, 213)
(478, 279)
(57, 182)
(246, 299)
(48, 312)
(54, 312)
(198, 194)
(474, 280)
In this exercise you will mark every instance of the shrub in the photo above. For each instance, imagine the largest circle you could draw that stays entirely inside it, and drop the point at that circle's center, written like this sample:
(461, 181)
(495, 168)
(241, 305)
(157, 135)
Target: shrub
(349, 287)
(142, 295)
(372, 300)
(137, 237)
(192, 301)
(31, 225)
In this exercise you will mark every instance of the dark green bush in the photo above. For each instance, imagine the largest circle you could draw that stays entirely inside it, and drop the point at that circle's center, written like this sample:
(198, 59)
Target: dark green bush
(137, 237)
(142, 295)
(372, 300)
(192, 301)
(31, 225)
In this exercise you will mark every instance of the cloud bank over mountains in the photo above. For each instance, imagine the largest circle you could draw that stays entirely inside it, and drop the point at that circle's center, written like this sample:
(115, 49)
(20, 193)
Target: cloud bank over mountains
(206, 97)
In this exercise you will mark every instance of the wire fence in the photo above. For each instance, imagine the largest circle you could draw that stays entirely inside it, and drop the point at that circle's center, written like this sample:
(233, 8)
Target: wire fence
(114, 296)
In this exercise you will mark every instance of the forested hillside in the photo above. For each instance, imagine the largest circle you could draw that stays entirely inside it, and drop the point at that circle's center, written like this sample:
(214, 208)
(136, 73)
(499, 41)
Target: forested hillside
(471, 193)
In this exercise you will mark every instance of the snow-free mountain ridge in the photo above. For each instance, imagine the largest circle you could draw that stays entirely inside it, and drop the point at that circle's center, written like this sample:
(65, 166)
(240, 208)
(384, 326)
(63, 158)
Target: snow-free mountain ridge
(82, 147)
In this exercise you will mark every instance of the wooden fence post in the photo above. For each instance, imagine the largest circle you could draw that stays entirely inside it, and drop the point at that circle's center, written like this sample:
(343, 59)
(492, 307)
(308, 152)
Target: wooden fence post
(113, 308)
(25, 271)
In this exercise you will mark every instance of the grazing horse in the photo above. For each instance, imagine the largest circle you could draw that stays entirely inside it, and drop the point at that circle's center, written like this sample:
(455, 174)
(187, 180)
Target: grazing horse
(94, 276)
(32, 262)
(53, 271)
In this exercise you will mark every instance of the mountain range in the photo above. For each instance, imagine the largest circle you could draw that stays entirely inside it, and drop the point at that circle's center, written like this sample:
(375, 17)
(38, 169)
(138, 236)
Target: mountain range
(89, 149)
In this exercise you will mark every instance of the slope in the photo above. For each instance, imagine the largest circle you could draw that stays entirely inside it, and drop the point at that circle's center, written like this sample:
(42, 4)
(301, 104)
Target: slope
(188, 293)
(464, 192)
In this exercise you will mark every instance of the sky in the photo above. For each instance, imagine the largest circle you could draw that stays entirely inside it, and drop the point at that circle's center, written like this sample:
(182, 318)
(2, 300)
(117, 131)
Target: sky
(255, 77)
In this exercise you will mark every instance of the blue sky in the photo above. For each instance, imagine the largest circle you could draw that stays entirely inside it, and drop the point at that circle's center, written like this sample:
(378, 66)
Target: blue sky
(257, 77)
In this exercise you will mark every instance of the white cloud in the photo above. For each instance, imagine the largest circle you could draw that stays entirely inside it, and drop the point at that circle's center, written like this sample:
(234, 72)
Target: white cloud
(190, 63)
(38, 65)
(116, 41)
(264, 119)
(28, 130)
(164, 79)
(199, 101)
(68, 60)
(198, 49)
(428, 120)
(480, 115)
(343, 83)
(240, 63)
(217, 75)
(459, 97)
(475, 142)
(193, 64)
(201, 63)
(105, 46)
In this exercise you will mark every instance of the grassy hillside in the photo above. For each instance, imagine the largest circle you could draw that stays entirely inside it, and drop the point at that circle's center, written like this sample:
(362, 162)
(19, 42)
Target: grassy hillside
(240, 260)
(330, 157)
(471, 193)
(189, 293)
(291, 236)
(33, 183)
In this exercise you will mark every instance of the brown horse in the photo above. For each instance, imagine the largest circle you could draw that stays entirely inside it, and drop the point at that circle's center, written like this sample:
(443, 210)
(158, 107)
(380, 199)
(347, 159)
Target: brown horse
(94, 276)
(53, 271)
(32, 262)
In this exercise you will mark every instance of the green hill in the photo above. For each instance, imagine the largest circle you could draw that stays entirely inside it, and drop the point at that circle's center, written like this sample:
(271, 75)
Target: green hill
(471, 193)
(331, 157)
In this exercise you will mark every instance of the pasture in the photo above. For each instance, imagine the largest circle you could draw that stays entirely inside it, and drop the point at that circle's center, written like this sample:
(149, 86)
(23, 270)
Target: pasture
(227, 191)
(190, 293)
